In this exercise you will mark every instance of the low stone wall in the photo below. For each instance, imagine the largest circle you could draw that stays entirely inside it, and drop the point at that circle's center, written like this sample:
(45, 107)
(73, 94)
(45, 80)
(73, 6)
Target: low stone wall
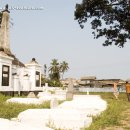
(105, 89)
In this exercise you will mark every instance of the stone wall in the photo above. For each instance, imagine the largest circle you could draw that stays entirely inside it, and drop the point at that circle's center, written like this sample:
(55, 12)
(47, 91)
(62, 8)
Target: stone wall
(105, 89)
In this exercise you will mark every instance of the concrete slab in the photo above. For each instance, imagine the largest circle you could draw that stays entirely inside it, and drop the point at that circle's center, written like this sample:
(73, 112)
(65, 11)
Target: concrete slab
(13, 125)
(57, 118)
(25, 100)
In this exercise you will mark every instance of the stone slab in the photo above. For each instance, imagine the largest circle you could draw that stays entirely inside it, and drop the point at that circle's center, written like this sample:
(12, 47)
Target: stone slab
(57, 118)
(13, 125)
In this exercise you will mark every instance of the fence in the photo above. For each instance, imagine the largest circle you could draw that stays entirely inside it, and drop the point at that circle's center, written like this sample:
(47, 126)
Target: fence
(105, 89)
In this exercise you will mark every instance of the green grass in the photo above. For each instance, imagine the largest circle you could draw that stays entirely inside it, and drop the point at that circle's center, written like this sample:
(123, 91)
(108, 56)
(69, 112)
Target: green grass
(11, 110)
(113, 115)
(117, 111)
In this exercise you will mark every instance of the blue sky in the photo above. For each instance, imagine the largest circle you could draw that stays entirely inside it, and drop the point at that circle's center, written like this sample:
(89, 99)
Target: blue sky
(53, 33)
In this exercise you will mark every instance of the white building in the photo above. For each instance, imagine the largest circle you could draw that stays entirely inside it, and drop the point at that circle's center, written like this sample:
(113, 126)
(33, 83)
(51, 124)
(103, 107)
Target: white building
(16, 77)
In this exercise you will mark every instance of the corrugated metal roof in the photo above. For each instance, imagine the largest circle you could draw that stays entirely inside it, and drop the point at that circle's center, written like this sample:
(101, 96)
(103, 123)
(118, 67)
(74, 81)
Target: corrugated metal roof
(88, 78)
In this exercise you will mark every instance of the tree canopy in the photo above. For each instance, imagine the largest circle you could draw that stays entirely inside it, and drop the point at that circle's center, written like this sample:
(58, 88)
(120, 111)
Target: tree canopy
(56, 69)
(109, 18)
(63, 67)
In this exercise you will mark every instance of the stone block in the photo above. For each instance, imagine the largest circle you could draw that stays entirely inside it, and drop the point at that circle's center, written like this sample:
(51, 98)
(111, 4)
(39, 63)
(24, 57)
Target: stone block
(69, 95)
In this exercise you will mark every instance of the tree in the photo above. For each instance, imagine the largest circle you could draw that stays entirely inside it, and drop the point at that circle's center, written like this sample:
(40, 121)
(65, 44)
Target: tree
(45, 69)
(54, 70)
(64, 67)
(109, 18)
(43, 79)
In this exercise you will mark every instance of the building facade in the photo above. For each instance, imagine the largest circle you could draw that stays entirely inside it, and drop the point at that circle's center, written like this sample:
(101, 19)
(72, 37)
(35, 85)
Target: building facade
(16, 77)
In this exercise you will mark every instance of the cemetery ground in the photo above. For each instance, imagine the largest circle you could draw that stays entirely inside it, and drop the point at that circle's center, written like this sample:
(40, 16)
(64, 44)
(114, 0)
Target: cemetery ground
(115, 117)
(11, 110)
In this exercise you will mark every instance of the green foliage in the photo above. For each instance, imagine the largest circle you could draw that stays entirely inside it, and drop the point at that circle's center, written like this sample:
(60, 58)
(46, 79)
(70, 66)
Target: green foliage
(55, 76)
(45, 69)
(3, 98)
(44, 80)
(54, 83)
(115, 14)
(54, 70)
(64, 67)
(111, 116)
(11, 110)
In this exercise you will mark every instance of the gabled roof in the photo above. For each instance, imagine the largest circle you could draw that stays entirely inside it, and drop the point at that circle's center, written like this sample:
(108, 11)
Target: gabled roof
(33, 62)
(108, 79)
(15, 61)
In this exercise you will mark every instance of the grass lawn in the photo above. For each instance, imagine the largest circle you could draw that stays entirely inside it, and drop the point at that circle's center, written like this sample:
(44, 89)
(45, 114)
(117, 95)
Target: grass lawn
(117, 115)
(11, 110)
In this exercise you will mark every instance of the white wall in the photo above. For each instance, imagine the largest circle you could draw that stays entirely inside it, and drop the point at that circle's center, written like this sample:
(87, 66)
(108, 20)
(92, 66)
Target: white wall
(17, 79)
(32, 70)
(105, 89)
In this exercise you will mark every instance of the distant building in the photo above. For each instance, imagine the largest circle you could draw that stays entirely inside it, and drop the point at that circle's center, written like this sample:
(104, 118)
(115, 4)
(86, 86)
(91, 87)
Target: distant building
(65, 82)
(92, 81)
(88, 81)
(105, 82)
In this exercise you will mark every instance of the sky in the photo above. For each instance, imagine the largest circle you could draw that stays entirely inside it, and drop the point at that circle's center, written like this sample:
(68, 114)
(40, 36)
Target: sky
(52, 33)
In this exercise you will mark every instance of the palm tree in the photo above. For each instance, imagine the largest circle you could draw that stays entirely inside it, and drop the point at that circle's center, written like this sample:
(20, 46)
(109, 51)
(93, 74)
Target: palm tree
(54, 70)
(63, 67)
(45, 69)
